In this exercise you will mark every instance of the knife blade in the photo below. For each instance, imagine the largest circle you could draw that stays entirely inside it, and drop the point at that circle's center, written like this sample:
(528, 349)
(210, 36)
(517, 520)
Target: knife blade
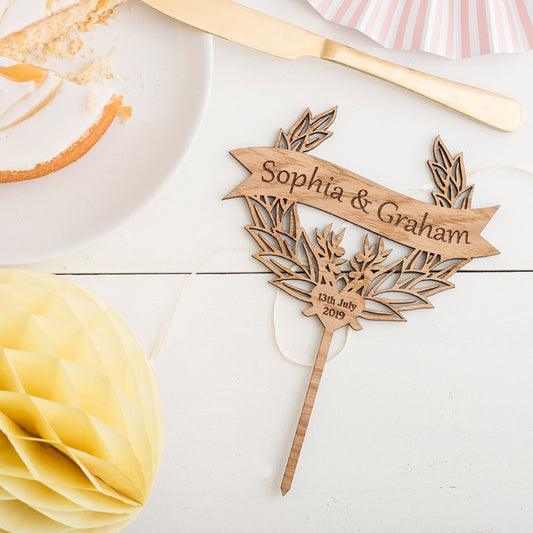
(251, 28)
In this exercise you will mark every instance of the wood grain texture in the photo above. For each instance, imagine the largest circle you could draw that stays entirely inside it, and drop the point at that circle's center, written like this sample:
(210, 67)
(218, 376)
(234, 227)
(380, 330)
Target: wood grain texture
(307, 408)
(302, 178)
(444, 404)
(315, 270)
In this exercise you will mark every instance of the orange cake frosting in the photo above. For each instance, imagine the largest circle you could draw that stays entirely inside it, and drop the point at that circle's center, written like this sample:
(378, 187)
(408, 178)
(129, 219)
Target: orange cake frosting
(32, 100)
(46, 122)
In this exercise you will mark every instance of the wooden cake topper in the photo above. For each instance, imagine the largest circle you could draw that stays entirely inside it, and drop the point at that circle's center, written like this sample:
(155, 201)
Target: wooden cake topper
(341, 291)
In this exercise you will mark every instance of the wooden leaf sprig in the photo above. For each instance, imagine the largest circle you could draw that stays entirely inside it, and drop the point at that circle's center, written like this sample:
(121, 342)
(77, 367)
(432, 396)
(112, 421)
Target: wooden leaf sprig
(450, 178)
(342, 290)
(377, 291)
(308, 132)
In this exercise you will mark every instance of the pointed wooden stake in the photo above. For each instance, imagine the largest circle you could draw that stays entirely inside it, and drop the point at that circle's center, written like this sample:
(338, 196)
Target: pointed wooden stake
(306, 411)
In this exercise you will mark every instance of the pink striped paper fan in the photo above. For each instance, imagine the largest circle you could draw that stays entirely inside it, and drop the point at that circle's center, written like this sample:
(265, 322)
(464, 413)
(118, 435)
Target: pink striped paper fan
(450, 28)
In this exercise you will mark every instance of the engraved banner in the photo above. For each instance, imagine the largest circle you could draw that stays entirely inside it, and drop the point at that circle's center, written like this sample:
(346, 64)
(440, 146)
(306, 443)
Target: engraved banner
(312, 181)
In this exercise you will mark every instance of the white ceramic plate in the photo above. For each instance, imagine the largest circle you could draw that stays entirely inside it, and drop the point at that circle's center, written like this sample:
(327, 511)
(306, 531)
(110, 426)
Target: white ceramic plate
(163, 69)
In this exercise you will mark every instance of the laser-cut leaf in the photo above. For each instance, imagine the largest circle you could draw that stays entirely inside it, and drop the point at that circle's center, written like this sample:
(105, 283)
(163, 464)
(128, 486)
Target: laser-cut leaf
(308, 132)
(302, 264)
(450, 178)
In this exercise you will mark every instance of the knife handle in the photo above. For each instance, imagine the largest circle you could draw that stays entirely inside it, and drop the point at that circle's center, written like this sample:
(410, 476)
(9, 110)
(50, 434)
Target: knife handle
(492, 109)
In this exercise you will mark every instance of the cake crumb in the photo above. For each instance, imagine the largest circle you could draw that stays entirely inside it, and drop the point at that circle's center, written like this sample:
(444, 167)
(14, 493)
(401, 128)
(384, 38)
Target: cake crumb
(92, 101)
(60, 45)
(98, 19)
(125, 113)
(97, 71)
(75, 46)
(16, 55)
(64, 47)
(39, 58)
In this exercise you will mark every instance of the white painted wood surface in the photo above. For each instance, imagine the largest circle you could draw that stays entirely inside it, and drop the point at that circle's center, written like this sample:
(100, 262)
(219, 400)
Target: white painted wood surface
(420, 427)
(424, 427)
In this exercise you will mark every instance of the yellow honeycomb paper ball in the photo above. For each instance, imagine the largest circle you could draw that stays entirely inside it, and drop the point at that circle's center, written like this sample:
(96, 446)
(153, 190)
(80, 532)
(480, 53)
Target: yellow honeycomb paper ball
(80, 416)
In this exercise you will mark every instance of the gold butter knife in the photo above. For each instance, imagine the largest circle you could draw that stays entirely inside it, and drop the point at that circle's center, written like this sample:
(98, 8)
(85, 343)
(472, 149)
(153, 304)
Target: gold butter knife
(251, 28)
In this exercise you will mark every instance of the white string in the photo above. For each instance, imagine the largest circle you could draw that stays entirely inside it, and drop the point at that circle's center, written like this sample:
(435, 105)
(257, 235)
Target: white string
(498, 167)
(430, 186)
(348, 332)
(167, 324)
